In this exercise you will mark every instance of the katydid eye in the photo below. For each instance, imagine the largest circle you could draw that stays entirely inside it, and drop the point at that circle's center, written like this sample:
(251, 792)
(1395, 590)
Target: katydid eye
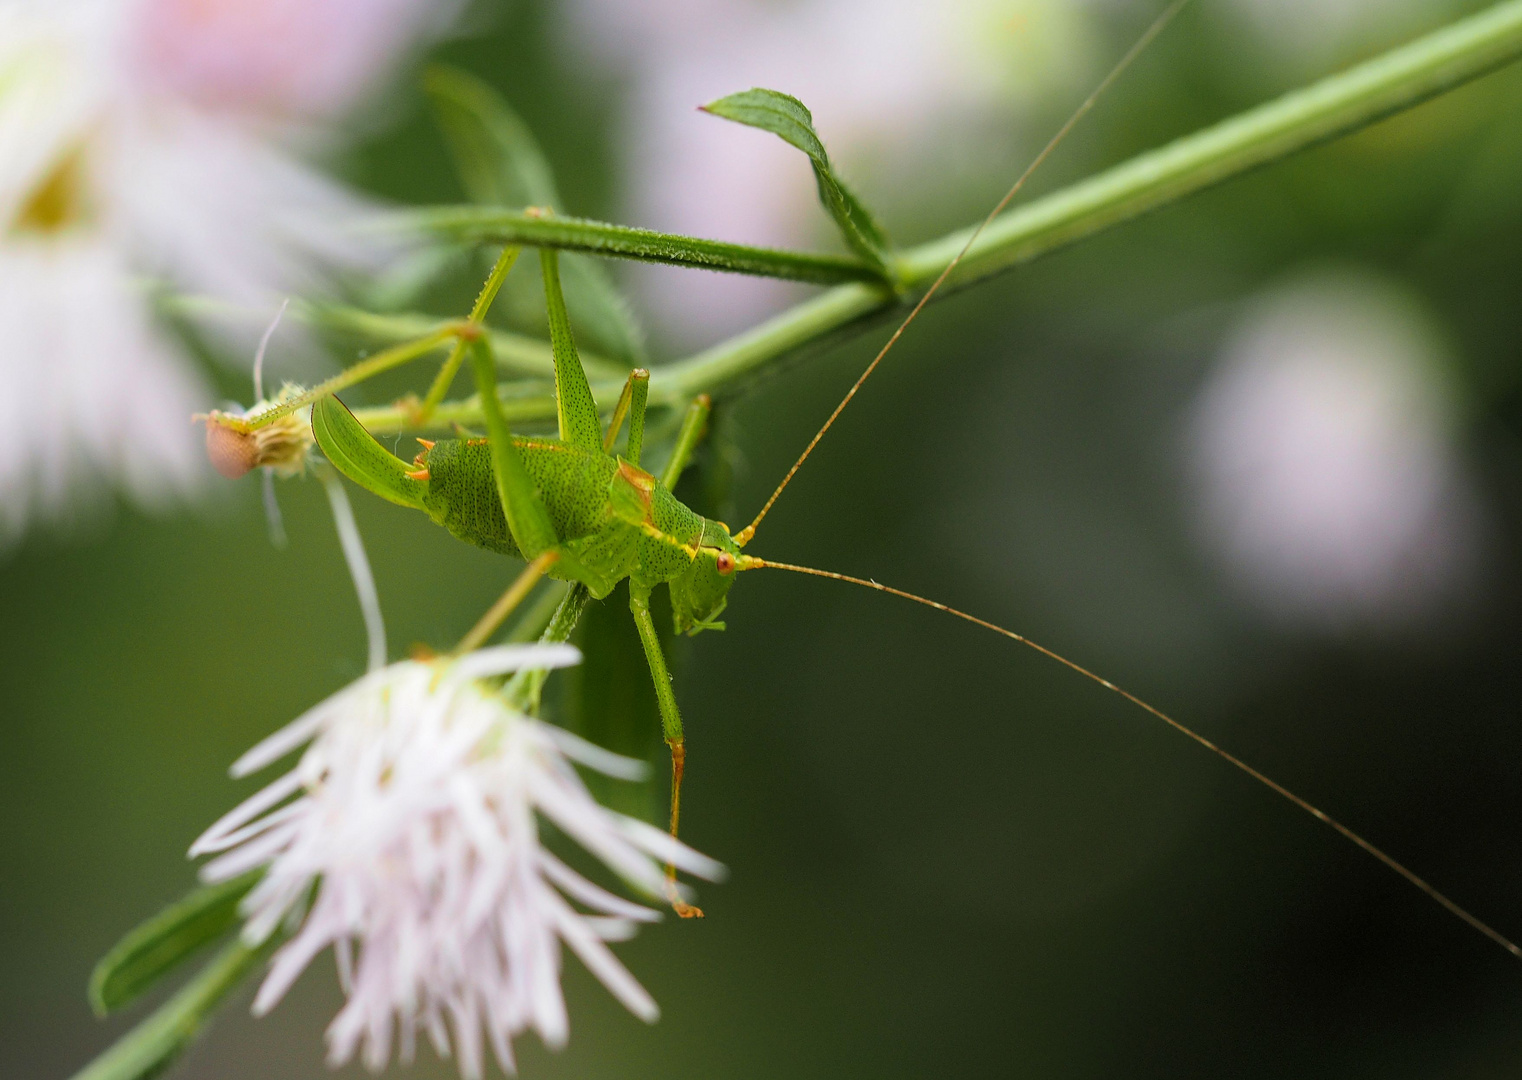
(726, 562)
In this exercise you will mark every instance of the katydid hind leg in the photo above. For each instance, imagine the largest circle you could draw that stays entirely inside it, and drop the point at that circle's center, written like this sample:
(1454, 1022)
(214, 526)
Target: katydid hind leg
(639, 387)
(671, 724)
(574, 404)
(527, 518)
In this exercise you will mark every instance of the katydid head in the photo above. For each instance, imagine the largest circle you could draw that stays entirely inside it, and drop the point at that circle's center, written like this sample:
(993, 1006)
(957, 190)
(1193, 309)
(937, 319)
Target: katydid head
(699, 595)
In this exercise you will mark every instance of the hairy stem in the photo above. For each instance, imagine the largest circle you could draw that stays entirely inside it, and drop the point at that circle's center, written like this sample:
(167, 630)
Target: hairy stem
(528, 228)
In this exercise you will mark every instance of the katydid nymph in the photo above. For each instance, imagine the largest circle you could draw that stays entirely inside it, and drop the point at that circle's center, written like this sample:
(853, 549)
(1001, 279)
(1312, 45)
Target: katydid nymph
(578, 511)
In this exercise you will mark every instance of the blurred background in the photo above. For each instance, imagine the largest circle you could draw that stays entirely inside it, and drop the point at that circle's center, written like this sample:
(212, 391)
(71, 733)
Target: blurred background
(1257, 457)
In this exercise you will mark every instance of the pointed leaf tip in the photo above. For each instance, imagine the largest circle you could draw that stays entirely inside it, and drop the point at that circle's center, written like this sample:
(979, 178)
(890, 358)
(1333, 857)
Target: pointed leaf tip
(153, 1045)
(790, 120)
(156, 947)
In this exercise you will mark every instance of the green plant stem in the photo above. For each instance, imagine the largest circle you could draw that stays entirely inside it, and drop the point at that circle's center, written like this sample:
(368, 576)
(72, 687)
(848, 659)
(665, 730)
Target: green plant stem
(497, 225)
(149, 1048)
(1338, 105)
(384, 360)
(451, 366)
(516, 354)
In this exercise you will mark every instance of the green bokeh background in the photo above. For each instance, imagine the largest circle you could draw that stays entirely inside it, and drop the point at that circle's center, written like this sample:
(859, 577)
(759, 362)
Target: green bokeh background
(948, 856)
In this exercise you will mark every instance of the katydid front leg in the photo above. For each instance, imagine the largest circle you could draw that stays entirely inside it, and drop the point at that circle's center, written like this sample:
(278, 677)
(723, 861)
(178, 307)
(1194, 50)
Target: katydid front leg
(671, 725)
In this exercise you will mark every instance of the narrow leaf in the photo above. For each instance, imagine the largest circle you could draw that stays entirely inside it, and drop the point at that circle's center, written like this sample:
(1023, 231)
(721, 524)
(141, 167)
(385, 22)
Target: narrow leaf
(485, 223)
(787, 118)
(498, 158)
(355, 453)
(154, 948)
(152, 1046)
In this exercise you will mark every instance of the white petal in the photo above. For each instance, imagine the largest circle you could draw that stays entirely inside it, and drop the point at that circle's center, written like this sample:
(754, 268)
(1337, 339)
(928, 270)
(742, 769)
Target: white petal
(594, 896)
(501, 659)
(213, 838)
(601, 962)
(668, 848)
(594, 756)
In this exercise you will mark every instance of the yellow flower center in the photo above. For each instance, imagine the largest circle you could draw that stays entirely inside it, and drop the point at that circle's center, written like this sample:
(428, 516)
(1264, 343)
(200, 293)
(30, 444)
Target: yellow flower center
(59, 201)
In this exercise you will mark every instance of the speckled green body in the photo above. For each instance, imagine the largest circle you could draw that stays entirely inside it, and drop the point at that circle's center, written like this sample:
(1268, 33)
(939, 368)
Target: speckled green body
(613, 519)
(574, 509)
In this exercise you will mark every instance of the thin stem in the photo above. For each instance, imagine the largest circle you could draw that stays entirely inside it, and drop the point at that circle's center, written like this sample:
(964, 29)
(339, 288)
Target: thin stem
(505, 603)
(516, 354)
(149, 1047)
(1338, 105)
(526, 687)
(384, 360)
(264, 343)
(451, 366)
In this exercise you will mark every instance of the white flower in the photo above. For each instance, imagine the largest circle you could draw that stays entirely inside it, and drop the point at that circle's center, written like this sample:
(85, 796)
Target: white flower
(119, 164)
(1323, 459)
(407, 838)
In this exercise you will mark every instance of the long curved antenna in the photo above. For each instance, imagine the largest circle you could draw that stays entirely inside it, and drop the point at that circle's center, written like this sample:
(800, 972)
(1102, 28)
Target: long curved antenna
(1226, 756)
(743, 536)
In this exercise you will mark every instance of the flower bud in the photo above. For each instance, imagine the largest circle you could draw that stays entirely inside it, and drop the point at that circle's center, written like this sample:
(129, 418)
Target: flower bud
(232, 452)
(235, 446)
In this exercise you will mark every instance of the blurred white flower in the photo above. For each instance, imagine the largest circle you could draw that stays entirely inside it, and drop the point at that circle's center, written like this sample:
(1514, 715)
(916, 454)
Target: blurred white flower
(929, 89)
(150, 139)
(407, 838)
(1322, 455)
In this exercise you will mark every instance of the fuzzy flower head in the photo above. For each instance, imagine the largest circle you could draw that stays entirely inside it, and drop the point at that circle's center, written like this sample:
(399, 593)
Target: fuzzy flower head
(408, 838)
(234, 446)
(123, 162)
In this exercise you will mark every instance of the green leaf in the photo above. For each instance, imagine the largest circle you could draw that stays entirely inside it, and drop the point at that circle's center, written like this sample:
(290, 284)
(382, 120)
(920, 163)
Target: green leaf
(501, 164)
(484, 223)
(152, 1046)
(355, 453)
(498, 158)
(154, 948)
(787, 118)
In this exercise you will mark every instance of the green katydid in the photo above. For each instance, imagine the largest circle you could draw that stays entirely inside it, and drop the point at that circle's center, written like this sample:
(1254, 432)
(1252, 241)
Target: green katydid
(576, 511)
(569, 505)
(581, 513)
